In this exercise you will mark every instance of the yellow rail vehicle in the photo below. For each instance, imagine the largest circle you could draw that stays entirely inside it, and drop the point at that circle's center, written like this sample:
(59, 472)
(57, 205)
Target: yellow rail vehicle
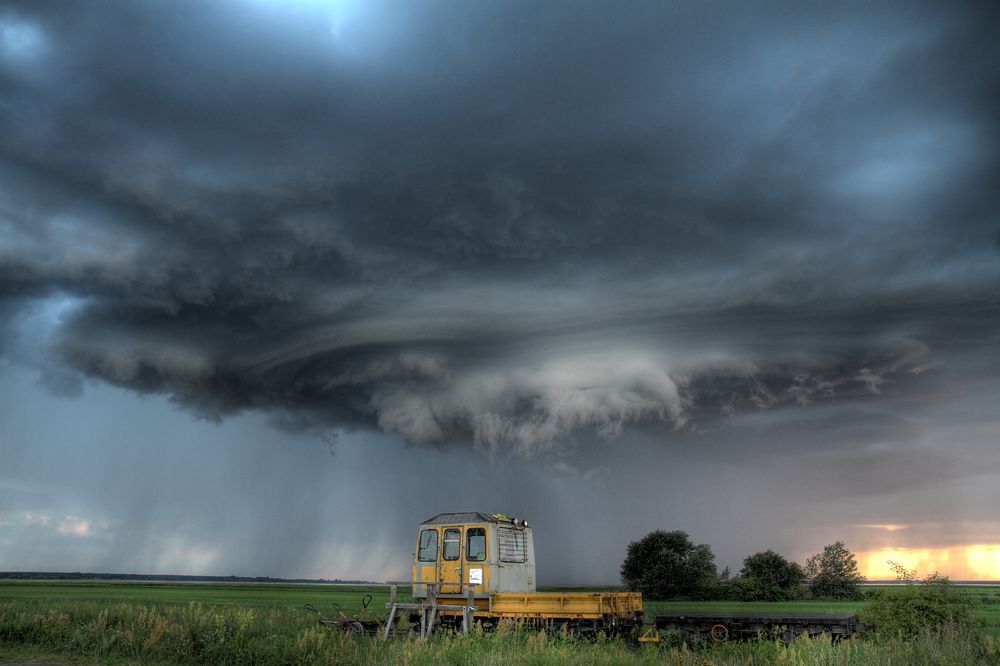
(479, 567)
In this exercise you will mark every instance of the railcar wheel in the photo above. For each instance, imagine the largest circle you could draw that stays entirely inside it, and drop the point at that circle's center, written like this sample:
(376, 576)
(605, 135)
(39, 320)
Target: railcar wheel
(719, 633)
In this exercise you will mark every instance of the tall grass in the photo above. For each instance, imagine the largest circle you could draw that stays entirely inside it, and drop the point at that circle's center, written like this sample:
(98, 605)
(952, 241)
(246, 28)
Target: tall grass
(200, 634)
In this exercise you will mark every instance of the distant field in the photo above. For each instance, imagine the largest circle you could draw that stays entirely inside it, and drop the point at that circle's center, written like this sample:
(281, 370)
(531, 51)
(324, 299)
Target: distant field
(246, 623)
(294, 597)
(247, 595)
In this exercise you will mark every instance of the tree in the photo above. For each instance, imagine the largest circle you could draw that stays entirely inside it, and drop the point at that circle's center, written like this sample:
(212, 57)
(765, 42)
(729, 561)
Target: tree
(663, 565)
(834, 573)
(767, 576)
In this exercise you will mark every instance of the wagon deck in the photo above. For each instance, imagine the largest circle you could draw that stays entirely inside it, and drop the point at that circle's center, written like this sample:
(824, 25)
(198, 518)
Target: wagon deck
(575, 605)
(723, 626)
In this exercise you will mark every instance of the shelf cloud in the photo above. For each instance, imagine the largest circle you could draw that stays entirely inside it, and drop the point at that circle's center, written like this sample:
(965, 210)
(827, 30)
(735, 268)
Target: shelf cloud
(516, 229)
(422, 226)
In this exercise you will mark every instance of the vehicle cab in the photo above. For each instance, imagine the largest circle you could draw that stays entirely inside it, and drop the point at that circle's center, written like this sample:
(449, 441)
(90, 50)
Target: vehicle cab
(493, 552)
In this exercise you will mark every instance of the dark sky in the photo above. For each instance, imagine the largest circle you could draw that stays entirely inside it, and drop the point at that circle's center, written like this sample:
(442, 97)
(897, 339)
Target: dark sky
(278, 280)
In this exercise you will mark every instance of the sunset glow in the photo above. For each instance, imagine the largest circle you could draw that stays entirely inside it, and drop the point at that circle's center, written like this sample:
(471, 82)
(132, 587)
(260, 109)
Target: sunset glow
(886, 527)
(975, 562)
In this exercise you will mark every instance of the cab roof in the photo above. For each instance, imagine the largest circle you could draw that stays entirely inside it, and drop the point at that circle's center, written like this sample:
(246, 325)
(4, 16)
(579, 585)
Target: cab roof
(468, 517)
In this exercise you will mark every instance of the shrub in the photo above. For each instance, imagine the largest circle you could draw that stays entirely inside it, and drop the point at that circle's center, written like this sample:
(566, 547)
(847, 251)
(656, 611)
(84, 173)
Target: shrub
(932, 604)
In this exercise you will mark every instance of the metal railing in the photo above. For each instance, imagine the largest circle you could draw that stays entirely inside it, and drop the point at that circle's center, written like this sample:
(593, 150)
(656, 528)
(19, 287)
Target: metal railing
(429, 609)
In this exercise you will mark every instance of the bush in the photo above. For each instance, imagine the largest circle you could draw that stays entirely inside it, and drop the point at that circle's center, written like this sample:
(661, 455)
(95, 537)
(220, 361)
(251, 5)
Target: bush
(802, 592)
(932, 604)
(664, 565)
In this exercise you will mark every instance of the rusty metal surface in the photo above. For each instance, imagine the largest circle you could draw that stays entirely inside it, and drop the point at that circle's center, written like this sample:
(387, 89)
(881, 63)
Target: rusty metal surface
(723, 626)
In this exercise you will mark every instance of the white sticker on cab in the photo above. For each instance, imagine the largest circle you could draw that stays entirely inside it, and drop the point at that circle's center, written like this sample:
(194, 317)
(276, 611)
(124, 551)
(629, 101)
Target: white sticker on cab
(475, 576)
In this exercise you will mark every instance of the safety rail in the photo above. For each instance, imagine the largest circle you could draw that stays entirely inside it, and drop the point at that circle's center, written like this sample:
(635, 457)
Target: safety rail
(430, 608)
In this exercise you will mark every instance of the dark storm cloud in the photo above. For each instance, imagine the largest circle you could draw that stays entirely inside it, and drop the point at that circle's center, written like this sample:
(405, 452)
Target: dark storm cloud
(500, 223)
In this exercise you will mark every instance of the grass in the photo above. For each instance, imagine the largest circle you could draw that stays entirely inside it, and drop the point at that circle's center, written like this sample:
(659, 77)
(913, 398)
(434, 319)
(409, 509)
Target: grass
(169, 623)
(811, 607)
(988, 611)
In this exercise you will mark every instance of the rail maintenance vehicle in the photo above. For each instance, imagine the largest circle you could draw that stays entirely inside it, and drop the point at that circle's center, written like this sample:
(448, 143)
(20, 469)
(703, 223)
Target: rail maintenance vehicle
(479, 568)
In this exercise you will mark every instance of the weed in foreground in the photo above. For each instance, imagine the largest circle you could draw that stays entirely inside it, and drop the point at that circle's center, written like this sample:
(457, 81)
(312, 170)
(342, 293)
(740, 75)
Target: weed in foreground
(198, 634)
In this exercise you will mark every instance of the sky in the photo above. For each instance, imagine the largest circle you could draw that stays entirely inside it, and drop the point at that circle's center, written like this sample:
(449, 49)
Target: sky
(280, 280)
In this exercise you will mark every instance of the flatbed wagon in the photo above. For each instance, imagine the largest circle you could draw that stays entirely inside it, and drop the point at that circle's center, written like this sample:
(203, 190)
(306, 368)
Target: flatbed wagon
(725, 626)
(571, 605)
(577, 612)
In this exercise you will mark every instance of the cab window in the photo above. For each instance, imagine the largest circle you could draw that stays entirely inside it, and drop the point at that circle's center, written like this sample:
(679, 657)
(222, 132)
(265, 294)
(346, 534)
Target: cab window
(475, 549)
(452, 544)
(428, 551)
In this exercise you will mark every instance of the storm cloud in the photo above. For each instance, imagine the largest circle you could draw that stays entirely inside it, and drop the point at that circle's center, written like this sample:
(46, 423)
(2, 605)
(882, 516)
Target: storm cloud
(499, 224)
(519, 230)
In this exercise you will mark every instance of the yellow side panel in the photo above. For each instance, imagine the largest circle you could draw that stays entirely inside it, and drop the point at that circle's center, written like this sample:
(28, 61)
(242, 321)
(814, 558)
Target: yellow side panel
(562, 605)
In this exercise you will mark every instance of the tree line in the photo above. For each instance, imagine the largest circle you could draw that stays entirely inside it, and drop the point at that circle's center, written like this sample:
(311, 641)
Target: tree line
(668, 565)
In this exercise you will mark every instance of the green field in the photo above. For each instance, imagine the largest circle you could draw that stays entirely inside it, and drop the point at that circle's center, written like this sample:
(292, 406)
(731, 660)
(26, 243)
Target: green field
(245, 595)
(237, 623)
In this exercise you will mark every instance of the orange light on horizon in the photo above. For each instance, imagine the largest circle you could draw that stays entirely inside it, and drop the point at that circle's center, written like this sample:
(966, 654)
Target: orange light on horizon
(887, 527)
(975, 562)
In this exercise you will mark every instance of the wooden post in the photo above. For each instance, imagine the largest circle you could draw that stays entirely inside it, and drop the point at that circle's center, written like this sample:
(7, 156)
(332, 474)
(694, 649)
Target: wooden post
(470, 600)
(430, 622)
(392, 611)
(427, 617)
(388, 623)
